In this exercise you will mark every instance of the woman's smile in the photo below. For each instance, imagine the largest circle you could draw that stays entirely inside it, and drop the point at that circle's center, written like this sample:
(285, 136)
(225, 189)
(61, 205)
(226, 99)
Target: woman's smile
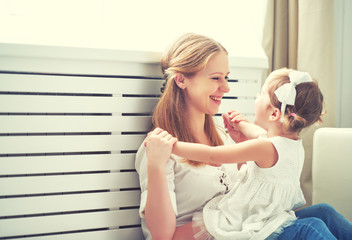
(216, 99)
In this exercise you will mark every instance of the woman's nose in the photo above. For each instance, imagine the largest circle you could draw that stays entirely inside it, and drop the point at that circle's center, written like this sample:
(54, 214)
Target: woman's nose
(225, 87)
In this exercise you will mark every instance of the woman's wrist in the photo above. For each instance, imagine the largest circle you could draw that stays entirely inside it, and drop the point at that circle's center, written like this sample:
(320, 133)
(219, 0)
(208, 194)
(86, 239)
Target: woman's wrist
(155, 167)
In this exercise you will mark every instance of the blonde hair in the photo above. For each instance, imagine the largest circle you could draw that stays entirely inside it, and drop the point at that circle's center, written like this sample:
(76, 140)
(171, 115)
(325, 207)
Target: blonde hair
(188, 55)
(308, 105)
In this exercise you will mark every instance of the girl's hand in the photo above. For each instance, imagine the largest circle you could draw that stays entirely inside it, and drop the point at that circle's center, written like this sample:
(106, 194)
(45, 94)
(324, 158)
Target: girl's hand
(234, 118)
(159, 145)
(231, 121)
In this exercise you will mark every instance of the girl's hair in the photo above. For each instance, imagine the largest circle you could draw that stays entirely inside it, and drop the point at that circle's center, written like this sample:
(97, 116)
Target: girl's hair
(188, 55)
(308, 105)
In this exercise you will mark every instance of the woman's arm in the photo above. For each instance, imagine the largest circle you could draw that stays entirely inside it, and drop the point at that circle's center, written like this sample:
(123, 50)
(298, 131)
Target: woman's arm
(261, 151)
(159, 214)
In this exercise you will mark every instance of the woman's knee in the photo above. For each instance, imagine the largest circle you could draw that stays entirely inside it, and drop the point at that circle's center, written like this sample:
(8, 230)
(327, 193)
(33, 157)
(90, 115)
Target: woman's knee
(321, 210)
(311, 223)
(306, 228)
(315, 222)
(326, 208)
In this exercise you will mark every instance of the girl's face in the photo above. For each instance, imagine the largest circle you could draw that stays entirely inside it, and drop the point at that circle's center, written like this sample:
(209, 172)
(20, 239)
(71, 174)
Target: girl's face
(205, 90)
(263, 106)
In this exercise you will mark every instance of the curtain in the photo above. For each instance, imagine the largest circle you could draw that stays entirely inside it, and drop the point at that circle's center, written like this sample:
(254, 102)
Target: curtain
(299, 34)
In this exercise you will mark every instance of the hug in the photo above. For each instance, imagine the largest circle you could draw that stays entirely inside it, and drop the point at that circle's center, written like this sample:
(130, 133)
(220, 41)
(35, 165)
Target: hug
(195, 185)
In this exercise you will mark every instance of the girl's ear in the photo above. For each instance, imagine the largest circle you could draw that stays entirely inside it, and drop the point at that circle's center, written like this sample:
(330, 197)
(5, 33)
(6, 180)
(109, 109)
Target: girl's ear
(275, 114)
(180, 80)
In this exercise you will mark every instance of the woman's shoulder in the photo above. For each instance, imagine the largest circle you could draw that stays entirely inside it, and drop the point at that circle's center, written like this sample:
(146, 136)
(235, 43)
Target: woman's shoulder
(141, 160)
(140, 157)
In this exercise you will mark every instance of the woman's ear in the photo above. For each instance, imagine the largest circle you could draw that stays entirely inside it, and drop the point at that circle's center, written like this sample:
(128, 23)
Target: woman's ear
(275, 114)
(180, 80)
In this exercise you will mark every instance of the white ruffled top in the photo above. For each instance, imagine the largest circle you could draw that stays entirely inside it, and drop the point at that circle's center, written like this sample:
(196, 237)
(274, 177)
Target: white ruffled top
(262, 200)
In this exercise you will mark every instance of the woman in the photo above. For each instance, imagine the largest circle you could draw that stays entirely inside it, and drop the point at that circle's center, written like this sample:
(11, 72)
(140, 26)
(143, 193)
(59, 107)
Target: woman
(196, 71)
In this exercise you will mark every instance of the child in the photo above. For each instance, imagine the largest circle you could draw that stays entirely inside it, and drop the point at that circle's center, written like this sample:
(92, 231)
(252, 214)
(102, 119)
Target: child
(268, 188)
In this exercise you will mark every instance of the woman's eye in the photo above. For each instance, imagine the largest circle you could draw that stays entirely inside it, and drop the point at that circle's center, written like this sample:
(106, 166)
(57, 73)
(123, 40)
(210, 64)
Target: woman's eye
(215, 78)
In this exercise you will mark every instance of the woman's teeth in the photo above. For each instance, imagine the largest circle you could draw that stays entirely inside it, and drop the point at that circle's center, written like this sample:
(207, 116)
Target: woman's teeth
(215, 98)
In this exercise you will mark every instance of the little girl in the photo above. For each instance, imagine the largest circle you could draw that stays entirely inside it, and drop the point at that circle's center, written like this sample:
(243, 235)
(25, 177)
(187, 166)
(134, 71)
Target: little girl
(268, 188)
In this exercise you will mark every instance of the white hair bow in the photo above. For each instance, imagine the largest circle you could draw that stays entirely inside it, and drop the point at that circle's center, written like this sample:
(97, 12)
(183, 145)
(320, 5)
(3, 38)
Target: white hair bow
(286, 94)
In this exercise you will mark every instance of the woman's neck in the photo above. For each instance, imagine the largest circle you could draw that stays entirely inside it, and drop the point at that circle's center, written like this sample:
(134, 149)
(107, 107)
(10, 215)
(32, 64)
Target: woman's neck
(196, 124)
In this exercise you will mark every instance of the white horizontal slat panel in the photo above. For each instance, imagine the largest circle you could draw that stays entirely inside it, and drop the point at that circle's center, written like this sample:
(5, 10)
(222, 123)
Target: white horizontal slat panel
(69, 222)
(75, 104)
(134, 233)
(67, 183)
(84, 66)
(243, 106)
(243, 89)
(246, 73)
(58, 144)
(72, 84)
(49, 124)
(65, 163)
(66, 202)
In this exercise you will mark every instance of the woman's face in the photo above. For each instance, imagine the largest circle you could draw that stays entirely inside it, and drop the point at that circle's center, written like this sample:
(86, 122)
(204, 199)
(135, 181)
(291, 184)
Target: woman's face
(205, 90)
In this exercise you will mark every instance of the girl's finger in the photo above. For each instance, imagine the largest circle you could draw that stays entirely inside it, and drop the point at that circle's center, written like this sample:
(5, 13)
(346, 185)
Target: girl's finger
(241, 118)
(173, 140)
(226, 117)
(168, 137)
(163, 134)
(234, 114)
(156, 131)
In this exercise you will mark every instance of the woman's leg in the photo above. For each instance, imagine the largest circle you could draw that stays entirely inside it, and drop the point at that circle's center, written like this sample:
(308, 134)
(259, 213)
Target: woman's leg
(306, 228)
(338, 225)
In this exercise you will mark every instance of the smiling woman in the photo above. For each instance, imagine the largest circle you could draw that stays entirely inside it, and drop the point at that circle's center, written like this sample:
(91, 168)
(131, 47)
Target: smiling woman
(132, 25)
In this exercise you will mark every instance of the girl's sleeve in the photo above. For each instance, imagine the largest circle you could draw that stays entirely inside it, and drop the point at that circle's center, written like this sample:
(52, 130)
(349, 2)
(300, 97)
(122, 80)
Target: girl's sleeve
(141, 168)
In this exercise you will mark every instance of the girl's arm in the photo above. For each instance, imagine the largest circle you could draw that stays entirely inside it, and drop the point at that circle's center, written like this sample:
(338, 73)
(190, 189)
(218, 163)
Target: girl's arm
(261, 151)
(250, 130)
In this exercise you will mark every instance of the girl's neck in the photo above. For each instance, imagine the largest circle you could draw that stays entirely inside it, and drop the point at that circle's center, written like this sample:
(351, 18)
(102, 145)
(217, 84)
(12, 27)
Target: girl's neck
(275, 131)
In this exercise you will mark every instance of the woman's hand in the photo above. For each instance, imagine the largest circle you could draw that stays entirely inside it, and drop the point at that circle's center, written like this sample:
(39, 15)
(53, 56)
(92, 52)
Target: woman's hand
(159, 145)
(231, 121)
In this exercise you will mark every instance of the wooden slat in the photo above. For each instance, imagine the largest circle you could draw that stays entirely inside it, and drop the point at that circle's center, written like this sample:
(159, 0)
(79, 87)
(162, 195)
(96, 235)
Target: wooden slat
(77, 66)
(66, 203)
(243, 89)
(69, 84)
(134, 233)
(50, 124)
(67, 222)
(93, 85)
(66, 163)
(246, 73)
(67, 183)
(69, 143)
(244, 106)
(75, 104)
